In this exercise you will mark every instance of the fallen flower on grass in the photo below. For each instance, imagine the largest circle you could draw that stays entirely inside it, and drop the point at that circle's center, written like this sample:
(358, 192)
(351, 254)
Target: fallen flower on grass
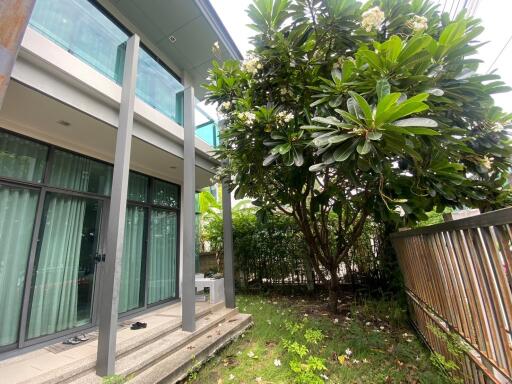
(231, 377)
(277, 362)
(348, 352)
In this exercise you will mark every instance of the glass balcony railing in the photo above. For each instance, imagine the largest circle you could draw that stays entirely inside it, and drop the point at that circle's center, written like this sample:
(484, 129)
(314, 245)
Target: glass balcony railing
(158, 88)
(206, 127)
(86, 32)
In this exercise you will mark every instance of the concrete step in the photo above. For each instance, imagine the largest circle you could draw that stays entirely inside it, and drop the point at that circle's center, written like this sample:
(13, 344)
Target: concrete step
(176, 366)
(70, 373)
(142, 361)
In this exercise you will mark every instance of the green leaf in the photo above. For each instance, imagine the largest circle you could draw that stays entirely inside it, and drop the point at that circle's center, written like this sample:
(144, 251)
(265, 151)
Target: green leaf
(384, 104)
(343, 152)
(270, 159)
(374, 135)
(317, 167)
(416, 122)
(363, 104)
(422, 131)
(284, 148)
(339, 138)
(393, 48)
(383, 88)
(364, 148)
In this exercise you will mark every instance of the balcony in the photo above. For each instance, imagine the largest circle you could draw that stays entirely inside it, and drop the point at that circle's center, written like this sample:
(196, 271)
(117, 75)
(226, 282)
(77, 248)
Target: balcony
(89, 34)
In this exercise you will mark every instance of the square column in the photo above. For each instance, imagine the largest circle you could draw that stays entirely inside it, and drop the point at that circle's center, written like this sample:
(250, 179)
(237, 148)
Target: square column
(188, 290)
(110, 279)
(227, 223)
(15, 17)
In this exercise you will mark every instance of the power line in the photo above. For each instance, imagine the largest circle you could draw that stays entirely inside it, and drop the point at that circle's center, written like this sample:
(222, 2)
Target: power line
(500, 53)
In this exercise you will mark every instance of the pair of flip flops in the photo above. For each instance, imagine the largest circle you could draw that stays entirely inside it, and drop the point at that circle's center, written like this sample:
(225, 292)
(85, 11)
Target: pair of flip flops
(76, 339)
(138, 325)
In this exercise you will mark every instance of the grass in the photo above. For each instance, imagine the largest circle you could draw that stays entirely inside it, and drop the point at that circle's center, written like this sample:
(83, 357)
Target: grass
(368, 342)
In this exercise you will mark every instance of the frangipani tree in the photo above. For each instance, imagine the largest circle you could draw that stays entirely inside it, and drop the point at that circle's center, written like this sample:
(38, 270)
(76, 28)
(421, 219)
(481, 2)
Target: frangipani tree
(348, 111)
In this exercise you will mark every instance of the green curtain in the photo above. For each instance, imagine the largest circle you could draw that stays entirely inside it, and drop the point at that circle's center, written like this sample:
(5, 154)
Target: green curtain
(130, 294)
(55, 284)
(17, 213)
(162, 256)
(80, 173)
(22, 159)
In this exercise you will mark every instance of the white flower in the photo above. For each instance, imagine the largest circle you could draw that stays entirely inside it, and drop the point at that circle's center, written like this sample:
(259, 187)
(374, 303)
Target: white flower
(372, 19)
(325, 377)
(259, 380)
(284, 116)
(405, 334)
(348, 352)
(355, 361)
(400, 210)
(365, 361)
(409, 340)
(248, 118)
(269, 321)
(277, 362)
(250, 354)
(231, 377)
(225, 106)
(497, 127)
(336, 321)
(381, 328)
(252, 65)
(417, 23)
(368, 323)
(486, 162)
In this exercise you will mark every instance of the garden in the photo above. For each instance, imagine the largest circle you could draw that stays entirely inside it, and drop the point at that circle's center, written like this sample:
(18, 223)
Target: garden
(348, 122)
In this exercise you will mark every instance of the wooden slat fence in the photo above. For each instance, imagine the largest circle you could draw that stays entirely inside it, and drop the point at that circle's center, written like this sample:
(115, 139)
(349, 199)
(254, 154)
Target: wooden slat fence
(459, 284)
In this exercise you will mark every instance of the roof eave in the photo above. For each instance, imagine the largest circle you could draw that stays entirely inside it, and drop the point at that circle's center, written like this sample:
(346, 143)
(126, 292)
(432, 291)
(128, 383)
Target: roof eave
(215, 22)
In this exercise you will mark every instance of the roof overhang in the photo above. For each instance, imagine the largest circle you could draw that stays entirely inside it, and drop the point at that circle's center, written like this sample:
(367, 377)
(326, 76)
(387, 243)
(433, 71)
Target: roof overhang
(182, 31)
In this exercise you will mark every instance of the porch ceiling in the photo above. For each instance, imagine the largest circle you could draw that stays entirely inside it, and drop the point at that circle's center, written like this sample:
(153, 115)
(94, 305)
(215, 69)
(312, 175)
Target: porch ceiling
(33, 114)
(194, 25)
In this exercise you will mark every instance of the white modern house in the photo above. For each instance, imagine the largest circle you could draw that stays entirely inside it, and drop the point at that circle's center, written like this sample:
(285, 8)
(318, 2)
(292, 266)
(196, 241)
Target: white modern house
(102, 148)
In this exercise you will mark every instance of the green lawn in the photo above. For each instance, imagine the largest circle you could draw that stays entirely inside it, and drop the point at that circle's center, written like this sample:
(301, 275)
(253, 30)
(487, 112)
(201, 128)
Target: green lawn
(295, 340)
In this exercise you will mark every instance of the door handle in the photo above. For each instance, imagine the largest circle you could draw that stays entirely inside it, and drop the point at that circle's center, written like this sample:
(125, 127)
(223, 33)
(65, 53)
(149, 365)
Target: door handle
(99, 257)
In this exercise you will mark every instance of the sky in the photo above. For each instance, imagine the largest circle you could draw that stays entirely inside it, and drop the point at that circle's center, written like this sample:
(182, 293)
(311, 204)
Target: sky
(495, 15)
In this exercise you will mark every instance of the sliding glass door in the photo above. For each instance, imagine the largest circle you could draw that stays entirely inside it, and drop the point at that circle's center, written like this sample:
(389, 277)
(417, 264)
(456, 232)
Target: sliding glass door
(63, 280)
(53, 207)
(162, 256)
(133, 270)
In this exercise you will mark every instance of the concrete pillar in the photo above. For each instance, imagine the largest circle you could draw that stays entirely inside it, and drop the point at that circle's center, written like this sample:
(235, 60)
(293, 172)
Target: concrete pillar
(229, 271)
(14, 17)
(188, 291)
(108, 316)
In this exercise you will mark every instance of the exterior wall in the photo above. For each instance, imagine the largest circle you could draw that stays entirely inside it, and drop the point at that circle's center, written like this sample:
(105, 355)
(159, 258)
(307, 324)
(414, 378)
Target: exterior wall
(45, 66)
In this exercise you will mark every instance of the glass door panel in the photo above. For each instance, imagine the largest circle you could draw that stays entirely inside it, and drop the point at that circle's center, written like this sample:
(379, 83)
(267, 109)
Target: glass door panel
(63, 280)
(163, 242)
(131, 293)
(17, 214)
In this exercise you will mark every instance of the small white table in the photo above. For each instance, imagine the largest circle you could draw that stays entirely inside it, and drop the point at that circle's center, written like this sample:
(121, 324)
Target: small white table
(216, 287)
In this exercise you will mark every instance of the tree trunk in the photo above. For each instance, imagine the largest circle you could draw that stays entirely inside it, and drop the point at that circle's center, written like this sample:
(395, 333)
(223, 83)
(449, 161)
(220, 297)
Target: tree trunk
(310, 276)
(333, 293)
